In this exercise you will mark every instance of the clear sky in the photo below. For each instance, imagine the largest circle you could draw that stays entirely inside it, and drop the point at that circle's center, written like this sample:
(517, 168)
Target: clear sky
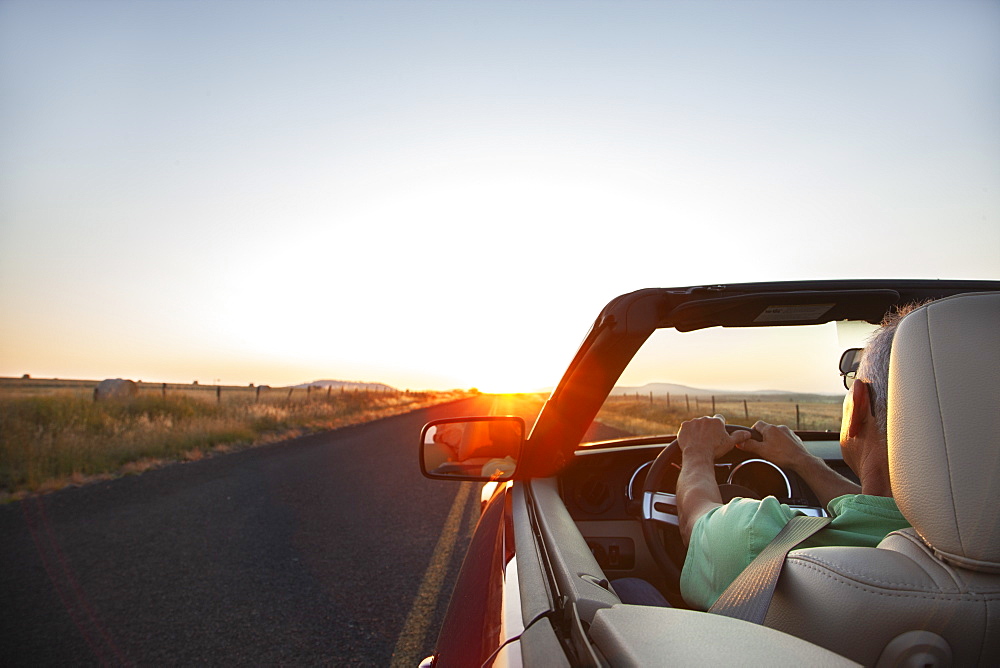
(444, 194)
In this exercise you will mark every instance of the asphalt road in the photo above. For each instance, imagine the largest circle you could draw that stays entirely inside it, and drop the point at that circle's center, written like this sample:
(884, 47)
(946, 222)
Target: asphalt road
(328, 549)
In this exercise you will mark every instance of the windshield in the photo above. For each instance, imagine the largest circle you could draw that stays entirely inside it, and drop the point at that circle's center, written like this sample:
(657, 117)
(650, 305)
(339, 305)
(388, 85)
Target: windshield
(782, 375)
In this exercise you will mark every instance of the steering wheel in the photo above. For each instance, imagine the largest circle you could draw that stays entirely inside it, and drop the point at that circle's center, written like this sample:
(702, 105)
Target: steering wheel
(659, 512)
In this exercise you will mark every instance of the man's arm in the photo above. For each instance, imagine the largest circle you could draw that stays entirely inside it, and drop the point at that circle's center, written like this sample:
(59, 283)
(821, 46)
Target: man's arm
(701, 441)
(697, 490)
(782, 447)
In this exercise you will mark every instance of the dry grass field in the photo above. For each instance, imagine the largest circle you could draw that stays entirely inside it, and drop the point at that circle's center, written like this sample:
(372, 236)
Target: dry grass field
(641, 416)
(53, 433)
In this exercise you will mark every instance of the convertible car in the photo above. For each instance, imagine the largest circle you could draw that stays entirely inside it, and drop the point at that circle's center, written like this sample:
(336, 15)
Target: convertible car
(586, 499)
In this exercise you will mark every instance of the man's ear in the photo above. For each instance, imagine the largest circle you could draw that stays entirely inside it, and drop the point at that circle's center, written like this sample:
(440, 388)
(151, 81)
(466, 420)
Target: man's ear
(860, 398)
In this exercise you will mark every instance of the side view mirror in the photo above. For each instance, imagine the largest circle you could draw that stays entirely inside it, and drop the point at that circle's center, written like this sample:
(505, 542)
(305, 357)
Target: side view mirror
(482, 448)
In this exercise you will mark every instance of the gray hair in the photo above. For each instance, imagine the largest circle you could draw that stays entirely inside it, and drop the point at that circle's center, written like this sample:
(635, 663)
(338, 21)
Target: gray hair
(874, 366)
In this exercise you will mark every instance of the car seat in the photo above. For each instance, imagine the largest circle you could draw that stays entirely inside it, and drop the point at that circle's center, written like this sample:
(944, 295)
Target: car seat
(928, 595)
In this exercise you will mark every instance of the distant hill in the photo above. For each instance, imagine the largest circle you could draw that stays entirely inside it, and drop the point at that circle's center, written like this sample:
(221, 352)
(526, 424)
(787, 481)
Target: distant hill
(661, 389)
(347, 385)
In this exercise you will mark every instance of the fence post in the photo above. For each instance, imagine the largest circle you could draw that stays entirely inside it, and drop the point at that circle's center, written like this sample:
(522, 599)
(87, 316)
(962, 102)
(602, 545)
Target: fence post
(289, 397)
(328, 389)
(798, 418)
(746, 411)
(163, 390)
(687, 400)
(218, 394)
(713, 404)
(668, 401)
(650, 397)
(257, 396)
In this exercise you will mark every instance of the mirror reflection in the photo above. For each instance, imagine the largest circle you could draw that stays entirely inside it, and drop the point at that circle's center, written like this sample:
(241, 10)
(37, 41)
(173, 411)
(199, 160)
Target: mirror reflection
(485, 448)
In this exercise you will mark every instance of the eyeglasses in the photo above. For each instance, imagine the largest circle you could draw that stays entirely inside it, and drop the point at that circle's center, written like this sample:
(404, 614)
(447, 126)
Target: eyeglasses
(849, 363)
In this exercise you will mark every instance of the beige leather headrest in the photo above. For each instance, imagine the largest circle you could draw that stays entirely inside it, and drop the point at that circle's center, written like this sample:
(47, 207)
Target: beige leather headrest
(944, 427)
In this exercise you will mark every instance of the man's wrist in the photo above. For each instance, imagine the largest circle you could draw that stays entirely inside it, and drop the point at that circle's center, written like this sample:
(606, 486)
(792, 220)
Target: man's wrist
(808, 462)
(697, 456)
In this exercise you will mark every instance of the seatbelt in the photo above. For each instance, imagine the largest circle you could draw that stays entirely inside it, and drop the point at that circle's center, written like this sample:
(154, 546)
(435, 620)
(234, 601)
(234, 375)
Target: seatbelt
(749, 596)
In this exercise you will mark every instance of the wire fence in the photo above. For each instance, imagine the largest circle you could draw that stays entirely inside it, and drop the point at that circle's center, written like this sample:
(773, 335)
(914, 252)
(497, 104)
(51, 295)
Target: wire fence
(651, 413)
(207, 392)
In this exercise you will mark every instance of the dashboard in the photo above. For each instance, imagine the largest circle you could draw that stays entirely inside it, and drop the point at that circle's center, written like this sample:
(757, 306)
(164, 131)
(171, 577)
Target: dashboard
(606, 479)
(602, 490)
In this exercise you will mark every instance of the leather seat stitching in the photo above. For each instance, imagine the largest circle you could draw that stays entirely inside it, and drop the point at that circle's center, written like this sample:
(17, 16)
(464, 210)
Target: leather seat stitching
(902, 594)
(863, 577)
(950, 470)
(942, 567)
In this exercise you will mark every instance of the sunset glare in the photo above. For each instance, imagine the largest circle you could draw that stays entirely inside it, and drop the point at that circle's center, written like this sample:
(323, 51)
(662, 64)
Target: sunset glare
(443, 195)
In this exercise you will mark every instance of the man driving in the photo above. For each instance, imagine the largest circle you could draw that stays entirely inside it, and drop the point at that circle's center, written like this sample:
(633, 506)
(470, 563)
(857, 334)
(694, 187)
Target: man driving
(724, 538)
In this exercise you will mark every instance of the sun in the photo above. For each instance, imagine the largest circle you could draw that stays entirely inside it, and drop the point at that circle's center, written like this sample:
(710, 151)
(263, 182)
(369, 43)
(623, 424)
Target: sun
(518, 375)
(504, 386)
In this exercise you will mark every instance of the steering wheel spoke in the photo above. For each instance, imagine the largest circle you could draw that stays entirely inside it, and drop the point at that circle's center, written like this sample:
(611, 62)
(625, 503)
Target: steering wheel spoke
(660, 524)
(660, 507)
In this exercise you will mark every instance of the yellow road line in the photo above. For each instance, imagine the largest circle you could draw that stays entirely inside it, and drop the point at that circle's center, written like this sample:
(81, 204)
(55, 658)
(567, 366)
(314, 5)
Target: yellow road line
(411, 640)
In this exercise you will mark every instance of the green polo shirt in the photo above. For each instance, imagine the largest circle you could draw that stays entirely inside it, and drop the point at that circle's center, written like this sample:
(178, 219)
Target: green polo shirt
(726, 539)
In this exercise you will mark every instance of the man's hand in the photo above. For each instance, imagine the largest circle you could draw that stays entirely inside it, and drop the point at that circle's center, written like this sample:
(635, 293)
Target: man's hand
(782, 447)
(701, 441)
(708, 436)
